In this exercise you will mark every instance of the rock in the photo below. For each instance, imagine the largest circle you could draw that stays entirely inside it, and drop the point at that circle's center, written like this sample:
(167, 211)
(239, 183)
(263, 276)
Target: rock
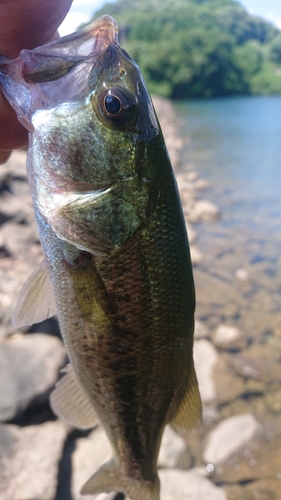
(224, 379)
(229, 337)
(264, 461)
(29, 367)
(205, 359)
(29, 458)
(90, 453)
(173, 451)
(200, 330)
(188, 485)
(229, 436)
(196, 255)
(260, 361)
(204, 210)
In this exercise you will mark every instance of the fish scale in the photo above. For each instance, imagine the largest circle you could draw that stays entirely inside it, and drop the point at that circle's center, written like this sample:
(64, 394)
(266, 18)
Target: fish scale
(116, 250)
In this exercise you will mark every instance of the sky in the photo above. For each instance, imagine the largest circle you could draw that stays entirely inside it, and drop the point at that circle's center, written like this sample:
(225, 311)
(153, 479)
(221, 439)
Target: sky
(83, 10)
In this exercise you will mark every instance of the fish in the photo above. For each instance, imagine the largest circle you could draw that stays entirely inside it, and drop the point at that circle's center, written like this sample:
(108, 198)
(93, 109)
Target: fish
(117, 268)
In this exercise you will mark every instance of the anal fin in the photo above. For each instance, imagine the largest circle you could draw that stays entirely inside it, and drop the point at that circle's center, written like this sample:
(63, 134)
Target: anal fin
(35, 302)
(71, 403)
(188, 416)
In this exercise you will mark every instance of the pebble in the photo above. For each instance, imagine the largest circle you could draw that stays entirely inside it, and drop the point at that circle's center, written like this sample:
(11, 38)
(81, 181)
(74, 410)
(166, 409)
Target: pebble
(29, 459)
(229, 436)
(29, 367)
(205, 359)
(229, 337)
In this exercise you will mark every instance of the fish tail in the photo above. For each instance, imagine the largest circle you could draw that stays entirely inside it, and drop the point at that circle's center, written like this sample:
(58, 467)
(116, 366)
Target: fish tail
(109, 477)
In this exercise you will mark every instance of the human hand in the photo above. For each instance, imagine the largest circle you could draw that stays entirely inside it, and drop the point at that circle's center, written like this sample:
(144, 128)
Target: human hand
(25, 24)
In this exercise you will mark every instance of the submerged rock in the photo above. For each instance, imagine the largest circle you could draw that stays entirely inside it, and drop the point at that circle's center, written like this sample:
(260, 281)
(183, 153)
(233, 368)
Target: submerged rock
(228, 385)
(188, 485)
(229, 436)
(229, 337)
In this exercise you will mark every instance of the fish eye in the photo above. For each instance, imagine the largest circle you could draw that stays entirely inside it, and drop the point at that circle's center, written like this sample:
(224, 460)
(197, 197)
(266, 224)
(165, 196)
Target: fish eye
(112, 104)
(116, 107)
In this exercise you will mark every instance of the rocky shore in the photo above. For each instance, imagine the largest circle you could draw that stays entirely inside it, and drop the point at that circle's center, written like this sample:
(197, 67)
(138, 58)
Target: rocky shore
(234, 455)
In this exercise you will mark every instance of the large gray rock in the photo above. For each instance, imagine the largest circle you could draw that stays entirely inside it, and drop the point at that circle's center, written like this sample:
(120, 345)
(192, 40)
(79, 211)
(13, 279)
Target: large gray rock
(29, 458)
(188, 485)
(229, 436)
(29, 367)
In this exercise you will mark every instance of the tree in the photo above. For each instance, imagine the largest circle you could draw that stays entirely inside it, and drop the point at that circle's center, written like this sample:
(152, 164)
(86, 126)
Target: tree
(197, 48)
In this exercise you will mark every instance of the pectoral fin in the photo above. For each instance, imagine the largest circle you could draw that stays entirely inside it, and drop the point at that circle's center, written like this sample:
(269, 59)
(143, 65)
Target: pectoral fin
(109, 477)
(189, 413)
(35, 302)
(71, 403)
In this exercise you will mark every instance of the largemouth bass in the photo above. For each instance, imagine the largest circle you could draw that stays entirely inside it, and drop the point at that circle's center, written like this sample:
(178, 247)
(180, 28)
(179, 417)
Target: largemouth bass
(117, 259)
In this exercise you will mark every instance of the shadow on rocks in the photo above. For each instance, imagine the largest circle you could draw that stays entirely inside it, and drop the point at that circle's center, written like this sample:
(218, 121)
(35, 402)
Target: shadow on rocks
(65, 469)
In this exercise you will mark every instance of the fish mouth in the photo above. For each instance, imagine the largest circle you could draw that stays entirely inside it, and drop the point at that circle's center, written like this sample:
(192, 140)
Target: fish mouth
(53, 60)
(26, 81)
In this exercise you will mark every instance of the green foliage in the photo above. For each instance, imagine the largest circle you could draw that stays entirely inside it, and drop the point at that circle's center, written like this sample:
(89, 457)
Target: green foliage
(199, 48)
(275, 50)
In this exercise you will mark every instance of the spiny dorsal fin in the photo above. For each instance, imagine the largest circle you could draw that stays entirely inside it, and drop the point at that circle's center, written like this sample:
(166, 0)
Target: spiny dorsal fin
(189, 413)
(35, 302)
(109, 477)
(71, 403)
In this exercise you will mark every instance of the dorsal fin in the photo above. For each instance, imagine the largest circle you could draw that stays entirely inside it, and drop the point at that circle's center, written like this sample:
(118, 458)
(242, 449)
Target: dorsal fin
(35, 302)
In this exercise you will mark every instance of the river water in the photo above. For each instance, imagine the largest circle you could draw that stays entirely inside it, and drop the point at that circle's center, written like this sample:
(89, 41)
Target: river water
(235, 143)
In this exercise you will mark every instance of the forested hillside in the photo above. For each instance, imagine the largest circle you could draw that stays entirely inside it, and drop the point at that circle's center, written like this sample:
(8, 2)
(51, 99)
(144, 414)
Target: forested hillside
(200, 48)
